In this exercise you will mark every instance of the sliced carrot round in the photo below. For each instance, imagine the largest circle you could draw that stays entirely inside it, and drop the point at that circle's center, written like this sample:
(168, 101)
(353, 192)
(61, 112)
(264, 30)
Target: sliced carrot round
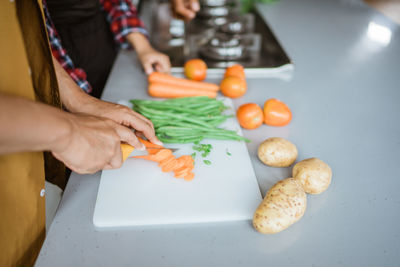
(189, 176)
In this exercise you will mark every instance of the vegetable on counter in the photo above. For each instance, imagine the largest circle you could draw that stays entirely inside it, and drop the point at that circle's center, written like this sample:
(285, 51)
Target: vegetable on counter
(236, 70)
(283, 205)
(162, 78)
(250, 116)
(314, 174)
(195, 69)
(182, 166)
(277, 152)
(167, 86)
(173, 91)
(233, 87)
(126, 151)
(187, 120)
(276, 113)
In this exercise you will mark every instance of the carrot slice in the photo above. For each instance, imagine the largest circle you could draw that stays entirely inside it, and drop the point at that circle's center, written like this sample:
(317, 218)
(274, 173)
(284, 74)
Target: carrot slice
(147, 157)
(189, 176)
(166, 161)
(162, 154)
(168, 167)
(182, 166)
(157, 77)
(185, 166)
(181, 173)
(174, 91)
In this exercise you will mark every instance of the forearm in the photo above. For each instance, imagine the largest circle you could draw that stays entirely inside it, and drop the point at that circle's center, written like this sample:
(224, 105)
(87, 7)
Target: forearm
(31, 126)
(72, 96)
(139, 42)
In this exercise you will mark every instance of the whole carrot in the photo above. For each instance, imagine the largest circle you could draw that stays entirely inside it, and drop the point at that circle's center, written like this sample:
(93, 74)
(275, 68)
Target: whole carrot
(173, 91)
(163, 78)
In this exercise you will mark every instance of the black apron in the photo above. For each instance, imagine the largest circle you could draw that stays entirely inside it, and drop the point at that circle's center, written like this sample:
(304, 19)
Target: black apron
(86, 35)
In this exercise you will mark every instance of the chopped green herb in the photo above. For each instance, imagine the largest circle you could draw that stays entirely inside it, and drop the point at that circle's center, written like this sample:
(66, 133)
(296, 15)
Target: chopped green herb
(207, 162)
(193, 155)
(205, 148)
(229, 154)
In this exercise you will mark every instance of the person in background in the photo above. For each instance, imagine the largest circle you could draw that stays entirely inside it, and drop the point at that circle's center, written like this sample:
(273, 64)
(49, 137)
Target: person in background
(85, 37)
(37, 137)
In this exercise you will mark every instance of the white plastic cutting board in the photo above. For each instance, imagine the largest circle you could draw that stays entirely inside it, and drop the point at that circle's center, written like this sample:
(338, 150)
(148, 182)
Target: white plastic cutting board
(140, 194)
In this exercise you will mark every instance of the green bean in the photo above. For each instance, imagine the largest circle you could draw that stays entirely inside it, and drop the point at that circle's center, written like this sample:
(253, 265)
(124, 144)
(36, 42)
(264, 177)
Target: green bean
(187, 120)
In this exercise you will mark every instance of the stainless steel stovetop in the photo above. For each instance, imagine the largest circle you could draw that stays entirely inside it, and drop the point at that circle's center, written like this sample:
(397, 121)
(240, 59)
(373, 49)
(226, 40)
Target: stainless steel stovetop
(221, 36)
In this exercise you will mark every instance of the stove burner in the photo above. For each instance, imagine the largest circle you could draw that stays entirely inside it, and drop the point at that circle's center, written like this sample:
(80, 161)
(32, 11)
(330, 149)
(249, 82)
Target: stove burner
(235, 26)
(223, 47)
(219, 40)
(213, 11)
(214, 3)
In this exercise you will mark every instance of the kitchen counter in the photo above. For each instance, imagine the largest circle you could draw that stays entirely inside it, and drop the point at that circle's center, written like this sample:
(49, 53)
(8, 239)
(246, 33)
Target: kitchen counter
(344, 95)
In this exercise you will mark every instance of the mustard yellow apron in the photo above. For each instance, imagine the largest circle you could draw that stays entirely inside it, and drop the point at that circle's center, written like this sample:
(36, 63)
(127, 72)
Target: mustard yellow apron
(26, 70)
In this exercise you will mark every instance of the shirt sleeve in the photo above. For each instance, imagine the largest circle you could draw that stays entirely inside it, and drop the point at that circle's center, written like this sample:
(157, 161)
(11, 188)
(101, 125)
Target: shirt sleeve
(59, 53)
(123, 19)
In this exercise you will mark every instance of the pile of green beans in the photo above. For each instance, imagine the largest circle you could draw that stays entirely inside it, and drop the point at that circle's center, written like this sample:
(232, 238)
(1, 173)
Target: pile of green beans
(187, 119)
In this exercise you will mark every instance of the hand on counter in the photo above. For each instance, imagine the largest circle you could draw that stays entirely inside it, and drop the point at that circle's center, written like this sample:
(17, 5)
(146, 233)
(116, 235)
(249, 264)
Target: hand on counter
(185, 9)
(151, 59)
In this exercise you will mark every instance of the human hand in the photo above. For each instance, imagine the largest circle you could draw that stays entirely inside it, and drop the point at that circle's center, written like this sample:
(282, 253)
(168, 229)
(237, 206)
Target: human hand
(152, 60)
(185, 9)
(124, 116)
(92, 144)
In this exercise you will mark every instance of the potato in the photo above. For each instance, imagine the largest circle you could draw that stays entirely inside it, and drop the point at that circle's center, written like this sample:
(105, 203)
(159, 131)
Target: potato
(277, 152)
(314, 174)
(284, 204)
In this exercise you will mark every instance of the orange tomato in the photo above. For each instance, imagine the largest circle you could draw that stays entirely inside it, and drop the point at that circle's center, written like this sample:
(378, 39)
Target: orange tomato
(276, 113)
(236, 70)
(233, 87)
(250, 116)
(195, 69)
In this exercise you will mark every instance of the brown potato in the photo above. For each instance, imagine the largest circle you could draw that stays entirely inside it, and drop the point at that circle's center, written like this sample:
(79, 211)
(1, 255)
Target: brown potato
(283, 205)
(277, 152)
(314, 175)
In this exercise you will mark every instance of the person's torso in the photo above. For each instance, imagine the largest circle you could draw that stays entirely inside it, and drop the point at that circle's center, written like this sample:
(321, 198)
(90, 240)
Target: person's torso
(86, 36)
(25, 71)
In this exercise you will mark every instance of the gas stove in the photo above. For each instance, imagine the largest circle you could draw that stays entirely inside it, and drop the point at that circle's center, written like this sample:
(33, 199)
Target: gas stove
(221, 36)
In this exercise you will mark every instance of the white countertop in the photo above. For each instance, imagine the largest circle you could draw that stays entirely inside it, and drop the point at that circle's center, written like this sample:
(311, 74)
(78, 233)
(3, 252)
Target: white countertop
(344, 96)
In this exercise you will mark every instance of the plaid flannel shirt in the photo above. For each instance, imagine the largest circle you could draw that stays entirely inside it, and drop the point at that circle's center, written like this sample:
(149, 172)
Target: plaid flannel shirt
(123, 19)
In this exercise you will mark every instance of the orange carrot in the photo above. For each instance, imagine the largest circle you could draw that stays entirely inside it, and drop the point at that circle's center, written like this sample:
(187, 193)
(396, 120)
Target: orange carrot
(189, 176)
(169, 166)
(147, 157)
(126, 150)
(157, 77)
(182, 166)
(182, 173)
(167, 161)
(173, 91)
(148, 143)
(163, 154)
